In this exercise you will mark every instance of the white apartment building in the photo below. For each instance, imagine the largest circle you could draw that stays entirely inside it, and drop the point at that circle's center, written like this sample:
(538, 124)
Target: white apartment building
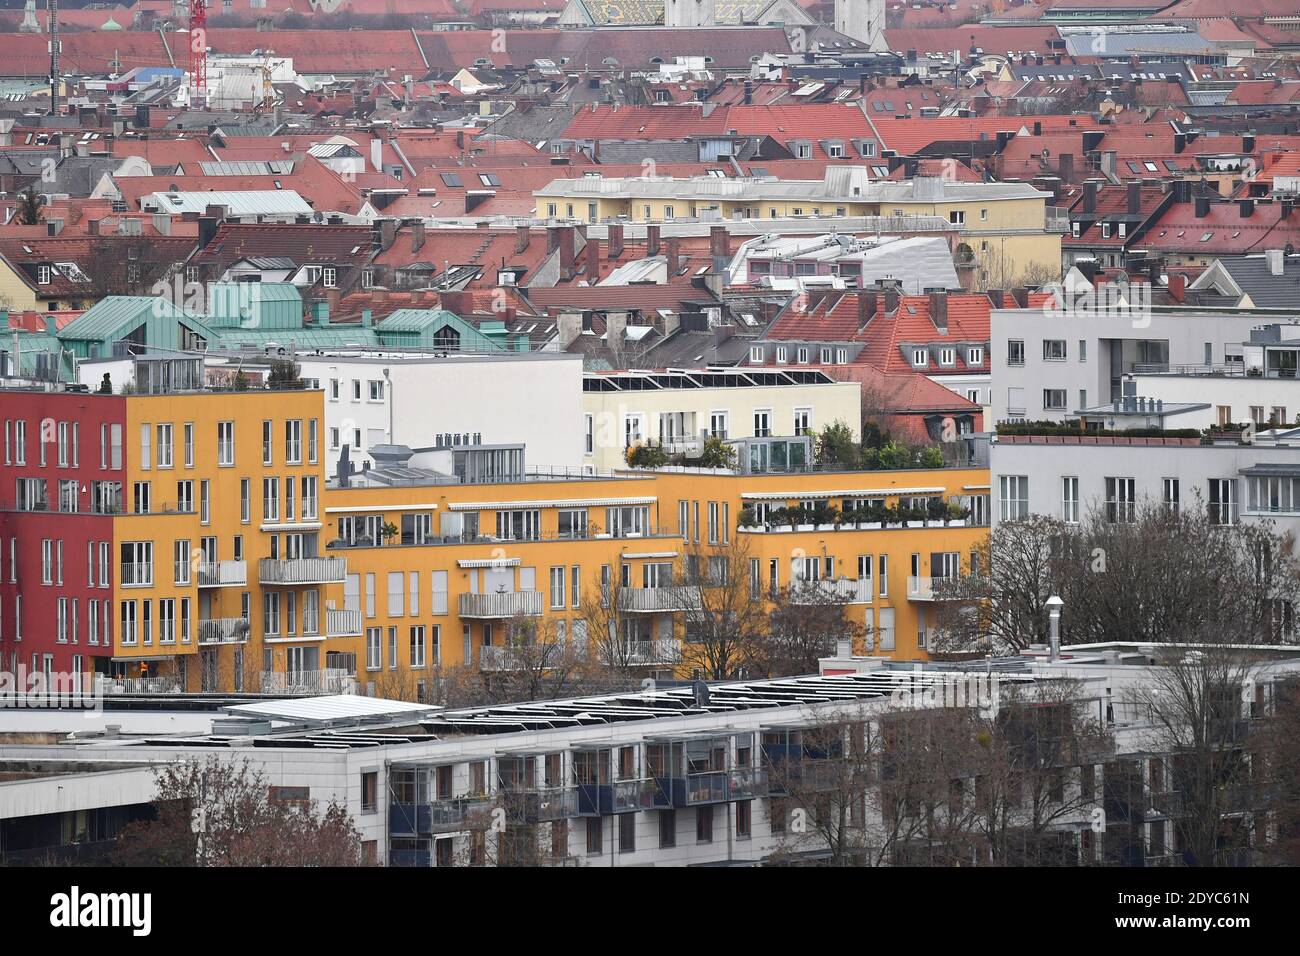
(1047, 364)
(394, 398)
(681, 776)
(678, 408)
(1067, 477)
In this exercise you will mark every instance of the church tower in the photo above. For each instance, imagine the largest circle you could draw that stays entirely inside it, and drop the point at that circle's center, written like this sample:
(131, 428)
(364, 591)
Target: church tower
(690, 13)
(863, 20)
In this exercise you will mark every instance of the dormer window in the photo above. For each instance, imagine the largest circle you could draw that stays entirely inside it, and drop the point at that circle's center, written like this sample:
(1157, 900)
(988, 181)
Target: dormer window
(1105, 230)
(947, 356)
(803, 356)
(756, 354)
(329, 277)
(920, 358)
(975, 356)
(43, 275)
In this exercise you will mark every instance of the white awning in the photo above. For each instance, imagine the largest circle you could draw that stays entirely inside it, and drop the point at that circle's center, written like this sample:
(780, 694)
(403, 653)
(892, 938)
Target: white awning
(488, 562)
(375, 509)
(551, 503)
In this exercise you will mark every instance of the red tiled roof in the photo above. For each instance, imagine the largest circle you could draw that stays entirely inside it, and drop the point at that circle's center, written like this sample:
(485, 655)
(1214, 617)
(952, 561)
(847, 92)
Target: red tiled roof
(1178, 230)
(908, 136)
(302, 243)
(1029, 39)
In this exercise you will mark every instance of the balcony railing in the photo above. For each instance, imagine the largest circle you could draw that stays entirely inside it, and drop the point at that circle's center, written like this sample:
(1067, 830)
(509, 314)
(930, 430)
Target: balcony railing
(619, 796)
(342, 623)
(302, 570)
(441, 816)
(659, 600)
(135, 572)
(539, 805)
(143, 685)
(641, 652)
(223, 630)
(221, 574)
(922, 588)
(331, 680)
(848, 590)
(502, 605)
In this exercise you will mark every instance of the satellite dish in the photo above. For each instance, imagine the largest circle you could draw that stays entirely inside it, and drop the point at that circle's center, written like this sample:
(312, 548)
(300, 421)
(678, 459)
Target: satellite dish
(1046, 152)
(317, 217)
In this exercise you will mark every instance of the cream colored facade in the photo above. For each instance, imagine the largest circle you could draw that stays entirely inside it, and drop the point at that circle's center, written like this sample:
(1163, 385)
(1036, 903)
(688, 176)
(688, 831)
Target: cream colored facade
(1007, 228)
(617, 419)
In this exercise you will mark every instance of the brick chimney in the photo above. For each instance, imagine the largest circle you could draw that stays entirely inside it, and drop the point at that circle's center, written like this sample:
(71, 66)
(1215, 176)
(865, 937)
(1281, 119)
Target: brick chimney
(672, 253)
(720, 247)
(564, 242)
(521, 239)
(1134, 197)
(1177, 286)
(939, 310)
(417, 236)
(866, 308)
(592, 253)
(652, 240)
(1090, 196)
(615, 244)
(1065, 167)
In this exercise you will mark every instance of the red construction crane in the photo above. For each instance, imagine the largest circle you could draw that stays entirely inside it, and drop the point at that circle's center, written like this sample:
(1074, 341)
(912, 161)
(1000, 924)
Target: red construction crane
(199, 47)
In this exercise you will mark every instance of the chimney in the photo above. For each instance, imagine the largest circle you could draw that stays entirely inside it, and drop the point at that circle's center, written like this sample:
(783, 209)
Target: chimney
(674, 258)
(748, 92)
(592, 253)
(208, 226)
(1090, 196)
(377, 154)
(720, 247)
(939, 310)
(521, 239)
(1065, 167)
(1134, 197)
(1177, 286)
(417, 236)
(614, 245)
(1180, 142)
(891, 300)
(1247, 208)
(615, 324)
(568, 326)
(652, 240)
(1286, 206)
(866, 308)
(564, 242)
(1202, 206)
(1248, 143)
(1276, 261)
(1108, 163)
(997, 298)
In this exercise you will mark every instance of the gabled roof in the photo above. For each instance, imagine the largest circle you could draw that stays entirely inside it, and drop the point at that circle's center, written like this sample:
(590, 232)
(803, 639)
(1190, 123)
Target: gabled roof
(302, 244)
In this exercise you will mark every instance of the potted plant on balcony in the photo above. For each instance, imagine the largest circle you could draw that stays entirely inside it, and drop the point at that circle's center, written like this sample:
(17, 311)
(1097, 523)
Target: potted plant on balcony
(936, 511)
(824, 516)
(387, 532)
(957, 515)
(912, 517)
(747, 518)
(805, 518)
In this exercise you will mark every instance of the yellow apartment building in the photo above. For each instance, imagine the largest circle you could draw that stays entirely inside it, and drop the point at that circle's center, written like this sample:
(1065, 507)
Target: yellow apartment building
(1007, 227)
(221, 580)
(439, 571)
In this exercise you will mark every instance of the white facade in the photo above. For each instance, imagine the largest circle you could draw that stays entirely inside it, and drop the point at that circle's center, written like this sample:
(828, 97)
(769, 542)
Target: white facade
(1048, 364)
(388, 398)
(1067, 478)
(863, 20)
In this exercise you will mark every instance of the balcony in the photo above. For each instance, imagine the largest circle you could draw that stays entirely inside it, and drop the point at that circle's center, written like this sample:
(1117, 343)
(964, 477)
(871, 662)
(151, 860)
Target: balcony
(342, 623)
(846, 590)
(294, 571)
(922, 589)
(502, 605)
(692, 790)
(642, 652)
(331, 680)
(135, 573)
(223, 630)
(745, 783)
(621, 796)
(222, 574)
(440, 816)
(665, 600)
(542, 805)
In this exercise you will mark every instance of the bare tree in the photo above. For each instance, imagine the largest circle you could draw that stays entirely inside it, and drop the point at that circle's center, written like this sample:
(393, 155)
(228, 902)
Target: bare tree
(1198, 705)
(726, 626)
(223, 813)
(806, 623)
(1000, 607)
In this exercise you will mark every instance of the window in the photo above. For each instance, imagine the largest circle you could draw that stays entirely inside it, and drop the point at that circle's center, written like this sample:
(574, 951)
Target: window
(417, 646)
(1169, 496)
(718, 424)
(293, 441)
(1070, 499)
(704, 824)
(1121, 499)
(1223, 500)
(558, 589)
(329, 277)
(225, 443)
(920, 358)
(975, 356)
(1054, 350)
(1013, 496)
(743, 819)
(164, 446)
(376, 391)
(370, 791)
(762, 422)
(1016, 352)
(1054, 398)
(373, 649)
(627, 833)
(803, 421)
(957, 217)
(667, 829)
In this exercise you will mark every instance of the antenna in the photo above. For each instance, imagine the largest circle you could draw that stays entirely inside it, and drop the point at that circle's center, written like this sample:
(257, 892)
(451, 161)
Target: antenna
(198, 49)
(55, 49)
